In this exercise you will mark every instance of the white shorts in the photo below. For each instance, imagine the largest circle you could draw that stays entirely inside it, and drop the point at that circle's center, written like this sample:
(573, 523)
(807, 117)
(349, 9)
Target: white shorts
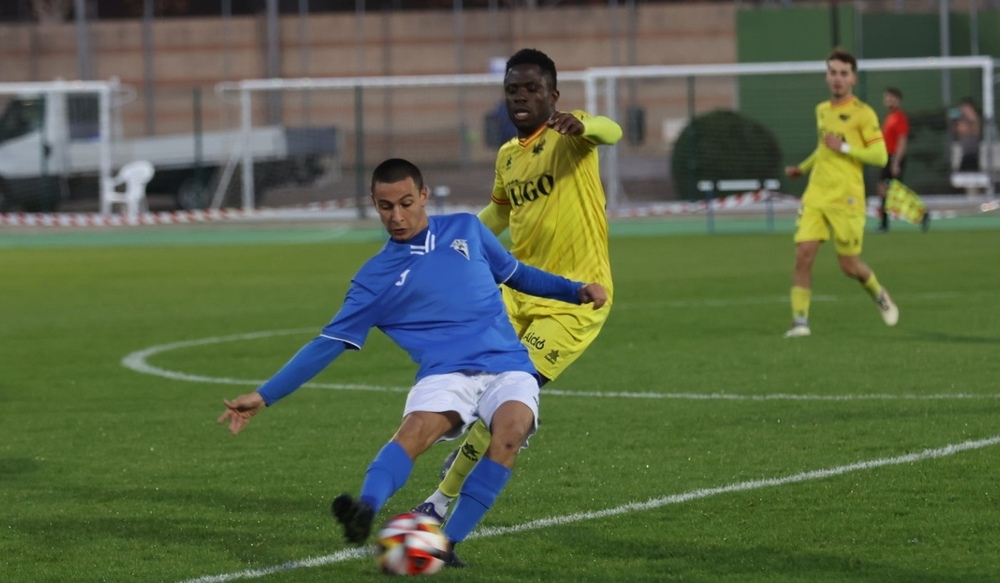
(473, 396)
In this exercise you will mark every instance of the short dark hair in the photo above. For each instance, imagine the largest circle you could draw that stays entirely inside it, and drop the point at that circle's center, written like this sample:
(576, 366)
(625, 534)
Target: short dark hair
(843, 56)
(396, 169)
(894, 92)
(971, 102)
(534, 57)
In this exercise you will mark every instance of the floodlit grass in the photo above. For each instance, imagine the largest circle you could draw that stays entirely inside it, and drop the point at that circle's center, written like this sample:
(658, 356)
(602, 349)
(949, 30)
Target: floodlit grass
(691, 399)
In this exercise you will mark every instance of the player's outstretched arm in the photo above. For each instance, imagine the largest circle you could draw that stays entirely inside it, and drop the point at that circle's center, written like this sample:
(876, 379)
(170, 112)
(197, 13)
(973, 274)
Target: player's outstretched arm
(307, 363)
(599, 129)
(602, 130)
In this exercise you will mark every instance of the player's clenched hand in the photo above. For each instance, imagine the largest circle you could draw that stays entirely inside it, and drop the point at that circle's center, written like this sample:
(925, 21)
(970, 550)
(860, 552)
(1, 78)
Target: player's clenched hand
(833, 141)
(793, 171)
(593, 293)
(240, 410)
(565, 123)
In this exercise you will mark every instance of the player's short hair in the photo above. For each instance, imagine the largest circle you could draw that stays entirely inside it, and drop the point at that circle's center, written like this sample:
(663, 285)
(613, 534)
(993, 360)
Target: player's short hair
(396, 169)
(843, 56)
(894, 92)
(534, 57)
(971, 102)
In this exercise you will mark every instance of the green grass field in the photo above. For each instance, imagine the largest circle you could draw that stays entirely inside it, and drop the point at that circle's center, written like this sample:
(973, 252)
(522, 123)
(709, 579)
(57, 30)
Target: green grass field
(691, 443)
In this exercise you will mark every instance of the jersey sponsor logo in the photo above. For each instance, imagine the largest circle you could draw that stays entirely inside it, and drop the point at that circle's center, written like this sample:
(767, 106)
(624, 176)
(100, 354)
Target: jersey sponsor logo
(521, 193)
(461, 246)
(532, 339)
(402, 278)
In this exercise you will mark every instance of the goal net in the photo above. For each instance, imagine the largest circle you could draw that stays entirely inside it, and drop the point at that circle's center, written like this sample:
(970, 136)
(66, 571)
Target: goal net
(750, 120)
(450, 125)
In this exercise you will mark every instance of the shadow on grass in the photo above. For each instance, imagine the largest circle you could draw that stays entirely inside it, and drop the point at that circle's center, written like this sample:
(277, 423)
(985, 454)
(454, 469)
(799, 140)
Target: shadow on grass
(609, 558)
(938, 336)
(15, 467)
(145, 529)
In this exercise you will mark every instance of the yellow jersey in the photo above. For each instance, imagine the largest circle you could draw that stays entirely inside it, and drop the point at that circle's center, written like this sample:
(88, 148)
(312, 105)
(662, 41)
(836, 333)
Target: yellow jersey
(558, 219)
(837, 177)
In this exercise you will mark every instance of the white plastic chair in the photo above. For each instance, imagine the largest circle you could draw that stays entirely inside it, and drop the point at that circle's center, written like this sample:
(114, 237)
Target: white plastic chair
(134, 176)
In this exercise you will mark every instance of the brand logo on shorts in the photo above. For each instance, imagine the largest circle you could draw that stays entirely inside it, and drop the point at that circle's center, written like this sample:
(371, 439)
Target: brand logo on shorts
(552, 356)
(532, 339)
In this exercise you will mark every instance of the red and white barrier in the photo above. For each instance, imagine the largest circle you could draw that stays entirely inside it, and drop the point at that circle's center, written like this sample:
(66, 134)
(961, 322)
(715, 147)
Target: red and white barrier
(730, 202)
(317, 209)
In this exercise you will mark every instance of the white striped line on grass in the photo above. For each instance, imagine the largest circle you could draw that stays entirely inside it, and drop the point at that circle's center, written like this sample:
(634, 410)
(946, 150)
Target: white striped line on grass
(138, 362)
(357, 553)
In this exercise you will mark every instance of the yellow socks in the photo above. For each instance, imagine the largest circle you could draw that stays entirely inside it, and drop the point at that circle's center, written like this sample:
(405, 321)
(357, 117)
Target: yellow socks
(473, 448)
(872, 286)
(800, 303)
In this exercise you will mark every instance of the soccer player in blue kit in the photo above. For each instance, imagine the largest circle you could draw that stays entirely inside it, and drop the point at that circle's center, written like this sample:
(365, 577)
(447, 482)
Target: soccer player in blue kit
(433, 289)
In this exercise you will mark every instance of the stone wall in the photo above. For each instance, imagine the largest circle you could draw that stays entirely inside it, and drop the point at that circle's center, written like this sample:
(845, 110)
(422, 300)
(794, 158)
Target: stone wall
(444, 128)
(190, 52)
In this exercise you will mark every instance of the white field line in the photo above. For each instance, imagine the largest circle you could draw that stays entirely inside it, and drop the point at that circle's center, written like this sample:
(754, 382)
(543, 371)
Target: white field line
(138, 362)
(651, 504)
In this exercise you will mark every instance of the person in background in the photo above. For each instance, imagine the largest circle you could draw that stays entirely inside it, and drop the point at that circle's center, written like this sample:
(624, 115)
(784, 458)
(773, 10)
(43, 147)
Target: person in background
(834, 200)
(968, 127)
(896, 131)
(433, 289)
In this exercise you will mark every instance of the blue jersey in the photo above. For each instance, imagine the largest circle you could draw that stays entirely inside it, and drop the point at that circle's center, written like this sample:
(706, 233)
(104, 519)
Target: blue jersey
(437, 297)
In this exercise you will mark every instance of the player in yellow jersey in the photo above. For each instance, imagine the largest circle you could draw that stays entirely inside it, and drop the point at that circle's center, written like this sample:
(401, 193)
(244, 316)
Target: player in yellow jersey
(548, 191)
(834, 201)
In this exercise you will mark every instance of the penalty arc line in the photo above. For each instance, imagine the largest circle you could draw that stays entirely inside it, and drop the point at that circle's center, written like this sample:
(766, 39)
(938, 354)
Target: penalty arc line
(357, 553)
(138, 362)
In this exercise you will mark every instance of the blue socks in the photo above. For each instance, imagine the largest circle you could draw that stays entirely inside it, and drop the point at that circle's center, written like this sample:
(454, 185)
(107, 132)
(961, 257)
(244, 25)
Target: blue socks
(478, 494)
(385, 475)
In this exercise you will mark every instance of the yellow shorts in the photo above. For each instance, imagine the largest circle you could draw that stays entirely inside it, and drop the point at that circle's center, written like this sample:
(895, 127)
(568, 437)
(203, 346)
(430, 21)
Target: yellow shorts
(555, 333)
(845, 220)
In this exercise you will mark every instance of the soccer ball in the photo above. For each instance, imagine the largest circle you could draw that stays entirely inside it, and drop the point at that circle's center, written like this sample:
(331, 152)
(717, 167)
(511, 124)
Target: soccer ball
(411, 544)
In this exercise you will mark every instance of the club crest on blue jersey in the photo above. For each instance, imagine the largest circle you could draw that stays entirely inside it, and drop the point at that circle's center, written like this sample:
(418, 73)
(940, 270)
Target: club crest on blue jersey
(461, 246)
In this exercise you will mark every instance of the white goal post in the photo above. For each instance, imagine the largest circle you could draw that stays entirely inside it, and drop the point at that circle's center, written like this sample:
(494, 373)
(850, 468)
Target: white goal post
(373, 107)
(609, 82)
(436, 119)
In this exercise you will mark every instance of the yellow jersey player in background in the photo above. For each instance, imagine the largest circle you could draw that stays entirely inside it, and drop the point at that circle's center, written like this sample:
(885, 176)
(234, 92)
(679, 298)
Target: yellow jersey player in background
(834, 201)
(548, 191)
